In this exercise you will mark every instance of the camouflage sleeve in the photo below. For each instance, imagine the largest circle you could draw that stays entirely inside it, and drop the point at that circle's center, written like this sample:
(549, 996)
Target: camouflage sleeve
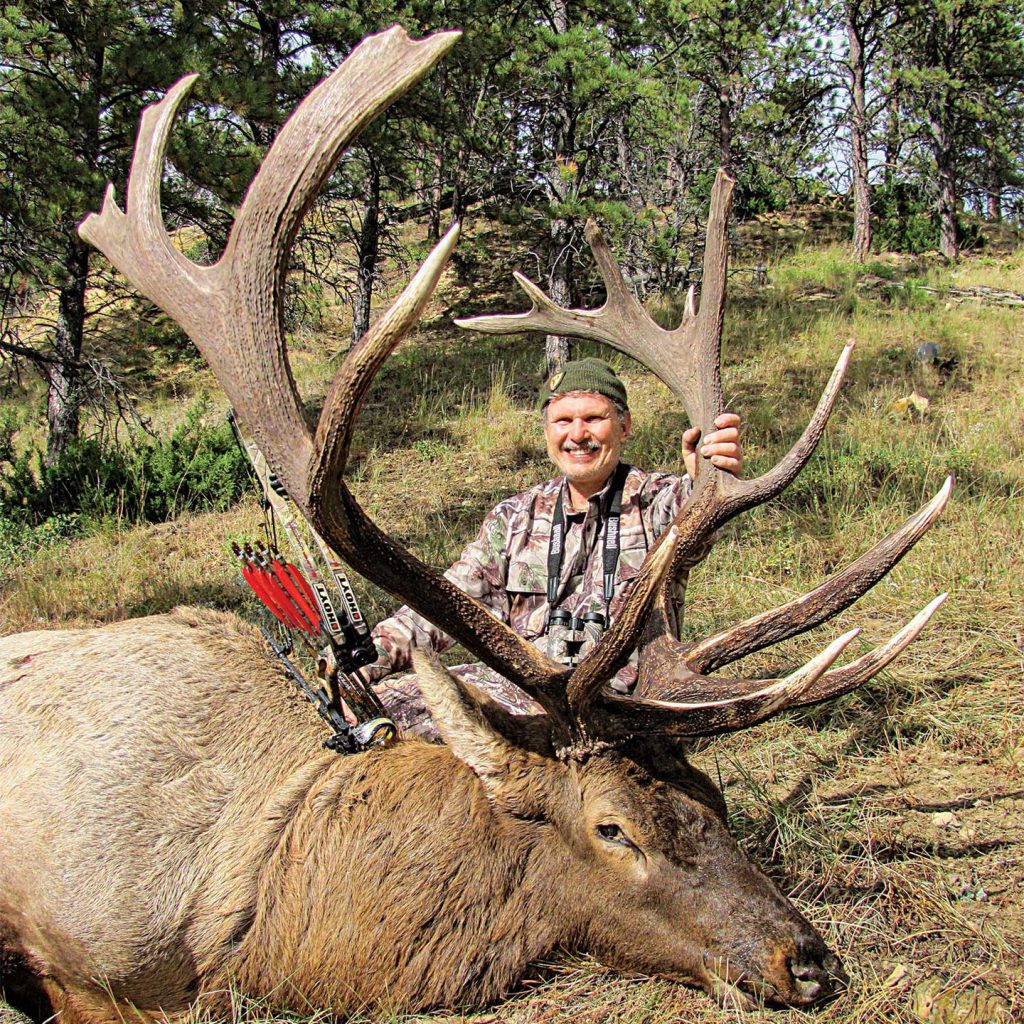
(669, 493)
(481, 571)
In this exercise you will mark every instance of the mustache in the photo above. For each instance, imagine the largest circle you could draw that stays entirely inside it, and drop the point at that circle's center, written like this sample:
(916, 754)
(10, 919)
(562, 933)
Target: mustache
(583, 446)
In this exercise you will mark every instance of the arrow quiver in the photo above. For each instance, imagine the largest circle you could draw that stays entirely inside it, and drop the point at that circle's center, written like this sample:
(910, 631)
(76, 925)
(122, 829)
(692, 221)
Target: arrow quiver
(300, 598)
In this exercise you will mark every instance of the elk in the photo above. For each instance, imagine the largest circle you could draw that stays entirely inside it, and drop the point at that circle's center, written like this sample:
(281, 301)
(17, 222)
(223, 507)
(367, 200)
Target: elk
(171, 831)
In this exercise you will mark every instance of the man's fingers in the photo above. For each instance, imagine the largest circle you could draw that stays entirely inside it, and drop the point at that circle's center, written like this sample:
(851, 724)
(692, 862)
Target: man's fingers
(722, 445)
(730, 435)
(728, 448)
(726, 463)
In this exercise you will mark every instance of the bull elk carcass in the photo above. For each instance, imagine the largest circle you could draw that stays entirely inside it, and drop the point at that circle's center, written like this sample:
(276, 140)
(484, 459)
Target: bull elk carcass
(171, 831)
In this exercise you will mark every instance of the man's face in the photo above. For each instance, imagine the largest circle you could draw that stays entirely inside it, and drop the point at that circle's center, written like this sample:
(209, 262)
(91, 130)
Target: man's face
(585, 436)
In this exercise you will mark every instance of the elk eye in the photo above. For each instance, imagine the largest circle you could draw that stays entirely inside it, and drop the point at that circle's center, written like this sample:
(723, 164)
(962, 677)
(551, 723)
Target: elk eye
(613, 834)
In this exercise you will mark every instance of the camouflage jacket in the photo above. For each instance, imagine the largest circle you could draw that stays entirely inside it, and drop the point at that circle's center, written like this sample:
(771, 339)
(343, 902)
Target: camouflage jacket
(505, 568)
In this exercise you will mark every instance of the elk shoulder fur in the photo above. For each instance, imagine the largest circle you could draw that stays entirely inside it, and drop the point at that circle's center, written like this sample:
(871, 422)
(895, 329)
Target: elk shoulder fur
(214, 847)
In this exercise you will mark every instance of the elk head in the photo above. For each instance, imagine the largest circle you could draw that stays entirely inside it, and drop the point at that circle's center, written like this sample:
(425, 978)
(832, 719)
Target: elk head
(658, 883)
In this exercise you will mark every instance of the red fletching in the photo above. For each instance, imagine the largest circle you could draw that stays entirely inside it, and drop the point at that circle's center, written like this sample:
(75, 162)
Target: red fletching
(280, 586)
(299, 591)
(301, 582)
(255, 578)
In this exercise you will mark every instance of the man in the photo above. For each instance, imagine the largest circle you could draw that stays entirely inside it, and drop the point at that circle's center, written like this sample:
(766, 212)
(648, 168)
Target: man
(511, 567)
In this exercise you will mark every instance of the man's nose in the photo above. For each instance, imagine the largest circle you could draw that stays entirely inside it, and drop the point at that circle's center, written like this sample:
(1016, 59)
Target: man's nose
(578, 430)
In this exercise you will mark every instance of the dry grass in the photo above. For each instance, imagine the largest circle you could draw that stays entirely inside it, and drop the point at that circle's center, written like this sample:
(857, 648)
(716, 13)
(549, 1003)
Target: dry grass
(895, 817)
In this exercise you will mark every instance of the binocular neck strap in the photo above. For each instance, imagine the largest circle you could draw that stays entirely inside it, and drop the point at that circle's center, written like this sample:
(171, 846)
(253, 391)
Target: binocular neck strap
(556, 546)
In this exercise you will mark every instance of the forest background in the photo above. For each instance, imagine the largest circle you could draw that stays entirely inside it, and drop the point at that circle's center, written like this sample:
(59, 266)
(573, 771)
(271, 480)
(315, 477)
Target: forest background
(878, 149)
(547, 112)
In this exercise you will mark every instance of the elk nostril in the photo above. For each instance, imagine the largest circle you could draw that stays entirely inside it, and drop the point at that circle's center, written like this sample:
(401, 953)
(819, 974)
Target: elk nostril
(807, 980)
(817, 980)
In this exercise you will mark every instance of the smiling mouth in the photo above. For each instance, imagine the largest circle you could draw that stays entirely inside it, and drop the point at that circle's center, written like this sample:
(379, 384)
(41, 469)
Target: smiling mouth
(578, 451)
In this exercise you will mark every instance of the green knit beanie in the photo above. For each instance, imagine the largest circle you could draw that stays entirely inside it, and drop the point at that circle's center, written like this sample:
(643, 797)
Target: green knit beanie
(584, 375)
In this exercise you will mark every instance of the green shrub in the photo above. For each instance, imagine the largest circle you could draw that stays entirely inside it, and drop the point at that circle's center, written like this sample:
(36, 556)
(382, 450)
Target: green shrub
(19, 539)
(198, 467)
(904, 218)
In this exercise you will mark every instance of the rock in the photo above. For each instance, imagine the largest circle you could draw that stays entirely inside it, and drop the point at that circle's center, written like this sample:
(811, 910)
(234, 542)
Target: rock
(898, 975)
(945, 819)
(934, 1003)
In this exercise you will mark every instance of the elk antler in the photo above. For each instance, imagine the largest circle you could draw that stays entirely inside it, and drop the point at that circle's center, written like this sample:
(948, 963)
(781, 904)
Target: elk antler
(233, 312)
(673, 695)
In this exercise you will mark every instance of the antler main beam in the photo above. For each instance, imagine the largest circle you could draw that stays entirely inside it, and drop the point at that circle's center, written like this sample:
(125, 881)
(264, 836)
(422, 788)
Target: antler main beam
(233, 312)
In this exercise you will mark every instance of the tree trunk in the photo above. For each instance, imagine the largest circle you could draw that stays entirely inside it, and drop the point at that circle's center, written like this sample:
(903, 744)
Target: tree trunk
(437, 181)
(994, 191)
(556, 347)
(63, 406)
(368, 251)
(458, 194)
(948, 245)
(942, 28)
(64, 396)
(945, 170)
(436, 194)
(858, 140)
(893, 142)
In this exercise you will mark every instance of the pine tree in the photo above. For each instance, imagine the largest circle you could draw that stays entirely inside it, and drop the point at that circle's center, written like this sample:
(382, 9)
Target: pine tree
(72, 82)
(959, 62)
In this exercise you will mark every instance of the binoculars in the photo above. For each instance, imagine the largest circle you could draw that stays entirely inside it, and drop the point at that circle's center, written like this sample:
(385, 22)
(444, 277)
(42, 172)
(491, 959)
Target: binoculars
(570, 638)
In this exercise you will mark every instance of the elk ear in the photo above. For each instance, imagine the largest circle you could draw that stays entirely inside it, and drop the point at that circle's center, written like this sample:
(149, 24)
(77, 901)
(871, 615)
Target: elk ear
(512, 768)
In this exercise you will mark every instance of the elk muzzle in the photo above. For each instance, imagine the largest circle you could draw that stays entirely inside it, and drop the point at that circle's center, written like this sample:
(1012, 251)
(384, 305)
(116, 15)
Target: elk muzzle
(798, 971)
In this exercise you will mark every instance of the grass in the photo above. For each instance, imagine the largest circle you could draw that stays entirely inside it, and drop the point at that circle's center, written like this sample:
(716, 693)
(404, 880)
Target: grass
(894, 817)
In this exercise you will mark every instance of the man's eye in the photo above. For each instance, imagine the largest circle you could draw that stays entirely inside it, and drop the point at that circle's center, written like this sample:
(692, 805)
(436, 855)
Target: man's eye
(613, 834)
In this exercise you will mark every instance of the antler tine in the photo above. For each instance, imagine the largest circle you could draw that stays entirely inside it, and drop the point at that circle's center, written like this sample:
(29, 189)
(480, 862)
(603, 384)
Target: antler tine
(689, 687)
(615, 716)
(137, 243)
(842, 680)
(819, 605)
(740, 495)
(358, 369)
